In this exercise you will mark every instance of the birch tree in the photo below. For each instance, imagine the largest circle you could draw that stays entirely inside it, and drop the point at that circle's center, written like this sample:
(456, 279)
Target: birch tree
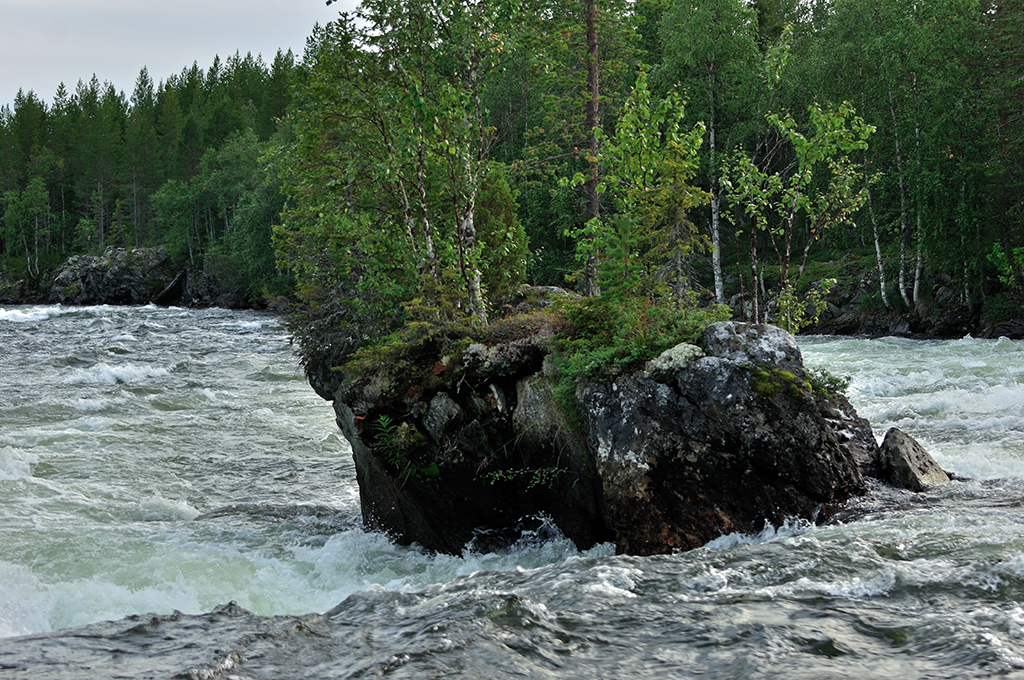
(784, 202)
(710, 51)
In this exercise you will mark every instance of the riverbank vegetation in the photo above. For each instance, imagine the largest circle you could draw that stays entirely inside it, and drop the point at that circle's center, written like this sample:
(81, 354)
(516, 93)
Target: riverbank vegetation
(428, 158)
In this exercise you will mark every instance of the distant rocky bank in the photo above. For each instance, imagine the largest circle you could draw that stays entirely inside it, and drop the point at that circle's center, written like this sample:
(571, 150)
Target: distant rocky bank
(853, 309)
(123, 276)
(147, 276)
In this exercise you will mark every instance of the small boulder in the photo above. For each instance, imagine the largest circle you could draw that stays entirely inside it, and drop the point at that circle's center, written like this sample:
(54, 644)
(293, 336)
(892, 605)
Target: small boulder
(905, 464)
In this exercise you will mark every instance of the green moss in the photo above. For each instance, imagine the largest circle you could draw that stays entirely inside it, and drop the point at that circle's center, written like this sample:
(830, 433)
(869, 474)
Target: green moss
(762, 383)
(606, 336)
(769, 383)
(408, 359)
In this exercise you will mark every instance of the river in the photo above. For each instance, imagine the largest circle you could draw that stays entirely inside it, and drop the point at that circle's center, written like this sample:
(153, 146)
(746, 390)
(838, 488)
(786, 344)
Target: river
(175, 501)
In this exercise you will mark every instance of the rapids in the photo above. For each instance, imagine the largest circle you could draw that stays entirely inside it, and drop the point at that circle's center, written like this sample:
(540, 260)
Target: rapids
(175, 501)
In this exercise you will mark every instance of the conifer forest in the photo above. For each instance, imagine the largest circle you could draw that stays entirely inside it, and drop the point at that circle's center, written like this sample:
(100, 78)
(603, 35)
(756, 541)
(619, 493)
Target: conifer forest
(438, 154)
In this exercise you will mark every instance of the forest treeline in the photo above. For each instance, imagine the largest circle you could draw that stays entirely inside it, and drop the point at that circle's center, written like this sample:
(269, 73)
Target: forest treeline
(440, 153)
(176, 163)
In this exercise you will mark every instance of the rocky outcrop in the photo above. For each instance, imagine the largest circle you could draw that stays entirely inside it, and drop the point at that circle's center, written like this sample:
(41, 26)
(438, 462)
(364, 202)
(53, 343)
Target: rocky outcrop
(136, 276)
(661, 458)
(473, 444)
(905, 464)
(119, 276)
(726, 443)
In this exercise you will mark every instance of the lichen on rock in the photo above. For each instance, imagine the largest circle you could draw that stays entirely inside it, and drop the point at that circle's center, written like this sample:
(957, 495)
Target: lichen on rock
(672, 360)
(753, 345)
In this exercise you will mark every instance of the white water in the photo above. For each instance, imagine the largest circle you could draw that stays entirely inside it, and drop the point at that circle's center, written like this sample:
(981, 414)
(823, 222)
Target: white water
(154, 460)
(962, 399)
(120, 426)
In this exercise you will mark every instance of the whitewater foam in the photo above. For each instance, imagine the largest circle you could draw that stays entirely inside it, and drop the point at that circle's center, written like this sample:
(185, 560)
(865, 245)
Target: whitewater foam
(25, 603)
(160, 508)
(90, 404)
(793, 526)
(122, 373)
(16, 464)
(610, 581)
(29, 314)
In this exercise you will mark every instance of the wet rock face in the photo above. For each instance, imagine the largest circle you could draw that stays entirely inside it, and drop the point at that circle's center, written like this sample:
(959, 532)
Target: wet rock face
(664, 458)
(723, 445)
(473, 448)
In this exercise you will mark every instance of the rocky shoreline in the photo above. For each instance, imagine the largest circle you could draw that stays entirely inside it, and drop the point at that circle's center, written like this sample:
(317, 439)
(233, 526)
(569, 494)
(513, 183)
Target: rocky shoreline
(853, 308)
(146, 276)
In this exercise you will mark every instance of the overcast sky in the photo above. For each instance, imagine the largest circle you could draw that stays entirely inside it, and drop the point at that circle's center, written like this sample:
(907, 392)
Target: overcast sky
(46, 42)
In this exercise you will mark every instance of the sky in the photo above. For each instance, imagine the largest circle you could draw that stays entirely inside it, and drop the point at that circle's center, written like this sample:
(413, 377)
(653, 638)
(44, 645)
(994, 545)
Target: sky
(46, 42)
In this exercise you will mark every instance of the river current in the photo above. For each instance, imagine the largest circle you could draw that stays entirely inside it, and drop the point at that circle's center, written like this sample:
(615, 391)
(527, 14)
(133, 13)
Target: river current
(176, 502)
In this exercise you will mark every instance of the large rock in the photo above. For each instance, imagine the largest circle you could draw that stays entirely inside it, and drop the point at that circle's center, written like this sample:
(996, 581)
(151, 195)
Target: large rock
(753, 345)
(119, 276)
(725, 444)
(135, 276)
(663, 458)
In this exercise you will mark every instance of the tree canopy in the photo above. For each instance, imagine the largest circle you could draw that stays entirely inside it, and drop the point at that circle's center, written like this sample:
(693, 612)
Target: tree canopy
(419, 157)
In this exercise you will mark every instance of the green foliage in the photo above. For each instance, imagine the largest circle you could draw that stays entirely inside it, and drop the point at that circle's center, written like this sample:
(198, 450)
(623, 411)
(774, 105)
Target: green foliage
(545, 477)
(1009, 266)
(825, 382)
(389, 443)
(1002, 307)
(606, 335)
(177, 213)
(781, 203)
(393, 192)
(85, 235)
(505, 247)
(795, 314)
(26, 221)
(86, 167)
(647, 166)
(409, 353)
(396, 444)
(389, 132)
